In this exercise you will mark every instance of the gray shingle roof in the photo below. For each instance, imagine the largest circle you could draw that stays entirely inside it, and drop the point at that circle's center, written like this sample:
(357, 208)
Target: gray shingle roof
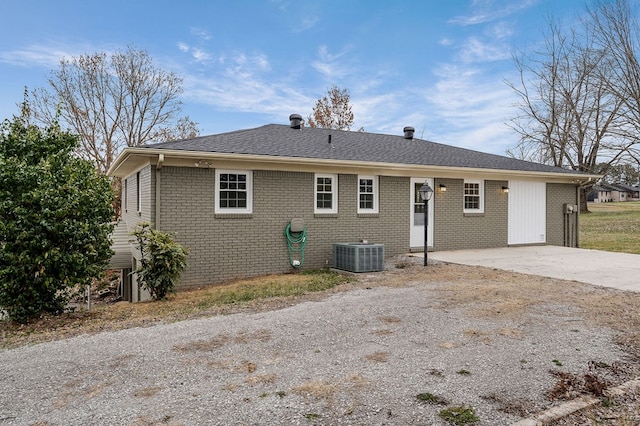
(283, 141)
(615, 187)
(626, 187)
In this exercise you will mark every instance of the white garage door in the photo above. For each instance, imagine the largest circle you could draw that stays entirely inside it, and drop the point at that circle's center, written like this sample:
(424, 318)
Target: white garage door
(527, 212)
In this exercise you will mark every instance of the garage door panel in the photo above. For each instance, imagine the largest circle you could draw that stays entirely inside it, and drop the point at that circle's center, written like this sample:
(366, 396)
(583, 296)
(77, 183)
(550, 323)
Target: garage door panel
(527, 212)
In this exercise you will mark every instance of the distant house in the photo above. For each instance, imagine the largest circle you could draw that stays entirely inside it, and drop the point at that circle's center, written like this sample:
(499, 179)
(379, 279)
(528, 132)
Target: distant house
(607, 193)
(632, 192)
(230, 196)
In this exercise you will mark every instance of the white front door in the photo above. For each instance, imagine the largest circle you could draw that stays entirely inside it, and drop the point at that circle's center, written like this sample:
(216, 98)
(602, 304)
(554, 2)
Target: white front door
(417, 215)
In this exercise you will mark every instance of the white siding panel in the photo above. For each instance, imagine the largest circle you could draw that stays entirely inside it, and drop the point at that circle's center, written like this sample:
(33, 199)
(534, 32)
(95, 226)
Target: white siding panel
(527, 212)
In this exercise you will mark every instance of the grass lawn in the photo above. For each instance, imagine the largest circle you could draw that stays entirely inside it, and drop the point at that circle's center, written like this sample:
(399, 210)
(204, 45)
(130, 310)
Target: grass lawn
(611, 227)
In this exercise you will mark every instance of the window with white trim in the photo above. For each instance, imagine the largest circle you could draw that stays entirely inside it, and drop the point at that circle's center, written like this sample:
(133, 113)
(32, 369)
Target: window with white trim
(234, 191)
(125, 195)
(138, 194)
(367, 194)
(326, 193)
(473, 196)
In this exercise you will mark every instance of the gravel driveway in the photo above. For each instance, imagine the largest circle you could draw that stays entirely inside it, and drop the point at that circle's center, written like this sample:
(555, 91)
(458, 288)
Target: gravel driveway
(355, 357)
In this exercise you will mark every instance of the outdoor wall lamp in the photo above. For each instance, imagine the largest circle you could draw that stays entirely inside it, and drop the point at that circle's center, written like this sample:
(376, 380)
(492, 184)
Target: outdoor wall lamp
(425, 194)
(505, 189)
(442, 187)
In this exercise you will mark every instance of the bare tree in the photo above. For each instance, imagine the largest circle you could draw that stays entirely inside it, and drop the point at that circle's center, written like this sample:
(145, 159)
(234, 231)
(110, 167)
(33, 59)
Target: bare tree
(616, 31)
(184, 128)
(624, 173)
(113, 101)
(333, 110)
(568, 115)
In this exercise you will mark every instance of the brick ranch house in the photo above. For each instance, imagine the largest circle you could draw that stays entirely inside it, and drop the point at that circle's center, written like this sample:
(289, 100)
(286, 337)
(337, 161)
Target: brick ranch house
(229, 197)
(607, 193)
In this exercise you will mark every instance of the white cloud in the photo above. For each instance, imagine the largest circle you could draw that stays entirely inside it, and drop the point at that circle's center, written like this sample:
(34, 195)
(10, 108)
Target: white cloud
(201, 33)
(299, 19)
(375, 111)
(469, 108)
(483, 11)
(445, 42)
(306, 23)
(238, 92)
(199, 55)
(475, 50)
(48, 56)
(248, 65)
(330, 65)
(283, 5)
(469, 102)
(500, 31)
(239, 83)
(262, 62)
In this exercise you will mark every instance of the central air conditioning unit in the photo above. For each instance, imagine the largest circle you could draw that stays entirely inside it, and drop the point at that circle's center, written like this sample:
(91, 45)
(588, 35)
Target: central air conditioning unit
(358, 257)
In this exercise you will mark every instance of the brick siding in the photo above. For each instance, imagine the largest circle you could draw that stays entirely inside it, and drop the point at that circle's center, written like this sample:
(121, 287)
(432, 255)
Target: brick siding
(224, 247)
(454, 230)
(557, 196)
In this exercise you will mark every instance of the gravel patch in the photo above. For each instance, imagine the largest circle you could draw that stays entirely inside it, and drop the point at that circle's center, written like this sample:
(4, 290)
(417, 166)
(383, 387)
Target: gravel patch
(356, 357)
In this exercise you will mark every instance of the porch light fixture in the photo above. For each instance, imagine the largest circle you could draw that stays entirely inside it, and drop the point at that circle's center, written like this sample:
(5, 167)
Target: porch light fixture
(425, 194)
(505, 189)
(442, 187)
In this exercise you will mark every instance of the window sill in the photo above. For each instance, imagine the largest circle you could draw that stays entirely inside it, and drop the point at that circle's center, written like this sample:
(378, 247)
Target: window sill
(233, 216)
(368, 215)
(473, 214)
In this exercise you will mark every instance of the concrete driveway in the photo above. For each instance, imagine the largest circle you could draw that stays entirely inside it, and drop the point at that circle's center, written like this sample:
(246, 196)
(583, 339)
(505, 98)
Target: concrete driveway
(617, 270)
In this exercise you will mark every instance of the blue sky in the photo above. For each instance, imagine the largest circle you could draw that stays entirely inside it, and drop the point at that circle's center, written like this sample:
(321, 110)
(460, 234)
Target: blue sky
(436, 65)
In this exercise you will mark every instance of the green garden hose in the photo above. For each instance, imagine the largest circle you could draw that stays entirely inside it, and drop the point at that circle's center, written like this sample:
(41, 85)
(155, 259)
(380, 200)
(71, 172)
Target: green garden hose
(296, 241)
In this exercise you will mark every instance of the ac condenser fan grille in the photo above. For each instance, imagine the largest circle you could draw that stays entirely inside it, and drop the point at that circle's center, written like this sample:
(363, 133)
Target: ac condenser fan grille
(358, 257)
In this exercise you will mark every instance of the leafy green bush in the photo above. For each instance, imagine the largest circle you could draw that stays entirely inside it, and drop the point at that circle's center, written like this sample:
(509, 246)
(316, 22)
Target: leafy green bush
(162, 260)
(55, 219)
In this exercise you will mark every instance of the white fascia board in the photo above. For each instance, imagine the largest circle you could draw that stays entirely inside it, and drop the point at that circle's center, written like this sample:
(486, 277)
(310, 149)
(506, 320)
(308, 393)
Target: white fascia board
(131, 158)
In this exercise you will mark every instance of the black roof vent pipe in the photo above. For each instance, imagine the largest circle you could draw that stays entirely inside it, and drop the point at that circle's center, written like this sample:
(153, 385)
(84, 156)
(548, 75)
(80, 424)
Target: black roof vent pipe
(296, 121)
(408, 132)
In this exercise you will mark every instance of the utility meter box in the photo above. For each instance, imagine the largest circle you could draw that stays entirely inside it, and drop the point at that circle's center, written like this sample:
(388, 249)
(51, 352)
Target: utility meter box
(358, 257)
